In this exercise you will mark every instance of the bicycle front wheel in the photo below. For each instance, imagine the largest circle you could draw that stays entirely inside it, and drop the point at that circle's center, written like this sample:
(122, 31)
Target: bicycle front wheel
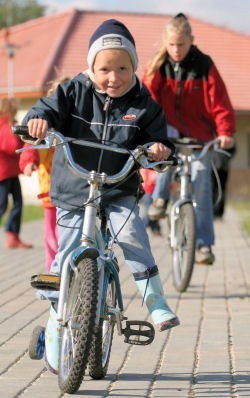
(102, 340)
(183, 254)
(80, 326)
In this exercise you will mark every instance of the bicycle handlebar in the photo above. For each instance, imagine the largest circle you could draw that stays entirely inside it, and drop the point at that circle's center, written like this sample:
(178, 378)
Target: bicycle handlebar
(197, 144)
(138, 155)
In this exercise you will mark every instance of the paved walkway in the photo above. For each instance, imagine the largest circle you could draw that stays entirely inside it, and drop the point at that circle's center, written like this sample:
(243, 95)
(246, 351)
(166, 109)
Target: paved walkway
(207, 356)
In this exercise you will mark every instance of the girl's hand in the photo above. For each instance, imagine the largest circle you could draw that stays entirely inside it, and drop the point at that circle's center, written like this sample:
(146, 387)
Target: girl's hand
(226, 142)
(160, 152)
(29, 168)
(38, 128)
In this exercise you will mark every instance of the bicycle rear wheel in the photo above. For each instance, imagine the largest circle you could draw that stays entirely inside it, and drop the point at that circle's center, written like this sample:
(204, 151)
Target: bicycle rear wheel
(102, 341)
(79, 329)
(183, 254)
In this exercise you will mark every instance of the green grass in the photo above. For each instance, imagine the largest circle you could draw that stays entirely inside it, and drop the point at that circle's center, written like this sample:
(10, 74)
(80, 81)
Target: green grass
(243, 208)
(30, 213)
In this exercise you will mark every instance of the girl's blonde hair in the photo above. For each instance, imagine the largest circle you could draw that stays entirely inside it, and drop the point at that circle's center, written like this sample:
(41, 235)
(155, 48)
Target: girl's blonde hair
(56, 82)
(178, 24)
(8, 107)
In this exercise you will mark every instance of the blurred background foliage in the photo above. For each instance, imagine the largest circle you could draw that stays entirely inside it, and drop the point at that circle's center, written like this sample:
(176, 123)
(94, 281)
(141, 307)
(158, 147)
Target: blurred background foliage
(13, 12)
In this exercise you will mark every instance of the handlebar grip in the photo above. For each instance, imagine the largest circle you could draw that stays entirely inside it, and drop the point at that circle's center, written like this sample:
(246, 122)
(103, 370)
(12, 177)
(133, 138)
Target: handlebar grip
(148, 152)
(173, 159)
(23, 132)
(20, 130)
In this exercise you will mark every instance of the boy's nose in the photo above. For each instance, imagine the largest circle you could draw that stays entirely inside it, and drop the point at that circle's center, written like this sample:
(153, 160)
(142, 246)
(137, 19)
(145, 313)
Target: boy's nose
(112, 76)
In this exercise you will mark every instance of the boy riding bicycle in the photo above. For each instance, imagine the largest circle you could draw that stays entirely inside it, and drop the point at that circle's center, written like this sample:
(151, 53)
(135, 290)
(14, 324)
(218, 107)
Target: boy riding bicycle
(108, 104)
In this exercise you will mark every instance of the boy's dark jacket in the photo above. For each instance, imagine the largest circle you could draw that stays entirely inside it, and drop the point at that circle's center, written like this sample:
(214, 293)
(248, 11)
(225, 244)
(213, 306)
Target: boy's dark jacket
(77, 110)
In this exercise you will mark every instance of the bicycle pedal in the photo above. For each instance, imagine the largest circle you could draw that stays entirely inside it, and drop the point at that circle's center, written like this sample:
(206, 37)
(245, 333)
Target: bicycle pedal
(142, 335)
(45, 281)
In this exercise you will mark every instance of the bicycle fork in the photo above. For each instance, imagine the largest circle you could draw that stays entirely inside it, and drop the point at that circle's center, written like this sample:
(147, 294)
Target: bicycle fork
(174, 216)
(87, 249)
(176, 206)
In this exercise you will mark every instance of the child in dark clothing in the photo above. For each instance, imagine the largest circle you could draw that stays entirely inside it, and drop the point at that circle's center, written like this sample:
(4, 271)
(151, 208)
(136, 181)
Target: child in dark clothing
(107, 103)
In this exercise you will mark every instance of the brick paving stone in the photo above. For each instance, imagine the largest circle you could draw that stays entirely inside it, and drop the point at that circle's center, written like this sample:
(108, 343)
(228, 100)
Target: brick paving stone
(208, 355)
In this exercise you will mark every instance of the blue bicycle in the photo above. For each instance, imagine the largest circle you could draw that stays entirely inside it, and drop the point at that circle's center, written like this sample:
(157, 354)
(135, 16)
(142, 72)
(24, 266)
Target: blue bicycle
(90, 298)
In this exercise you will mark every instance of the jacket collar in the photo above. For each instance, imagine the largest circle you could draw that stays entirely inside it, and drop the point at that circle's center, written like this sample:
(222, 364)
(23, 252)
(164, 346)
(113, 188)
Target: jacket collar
(190, 57)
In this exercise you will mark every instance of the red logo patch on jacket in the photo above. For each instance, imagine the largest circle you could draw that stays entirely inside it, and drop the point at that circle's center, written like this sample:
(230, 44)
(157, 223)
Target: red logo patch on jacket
(129, 117)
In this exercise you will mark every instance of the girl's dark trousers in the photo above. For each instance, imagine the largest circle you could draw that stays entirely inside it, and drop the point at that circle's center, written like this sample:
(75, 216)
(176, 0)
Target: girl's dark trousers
(11, 186)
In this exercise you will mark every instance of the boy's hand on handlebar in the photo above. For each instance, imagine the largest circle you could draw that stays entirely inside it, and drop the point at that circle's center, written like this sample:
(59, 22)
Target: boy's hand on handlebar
(38, 128)
(226, 142)
(159, 152)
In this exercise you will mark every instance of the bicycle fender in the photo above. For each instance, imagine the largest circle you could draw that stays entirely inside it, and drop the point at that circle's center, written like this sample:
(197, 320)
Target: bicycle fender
(174, 215)
(84, 252)
(177, 205)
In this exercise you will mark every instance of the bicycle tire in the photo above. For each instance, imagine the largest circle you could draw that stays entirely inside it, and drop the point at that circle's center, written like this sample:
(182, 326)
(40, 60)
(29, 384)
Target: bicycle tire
(183, 255)
(102, 340)
(37, 343)
(79, 329)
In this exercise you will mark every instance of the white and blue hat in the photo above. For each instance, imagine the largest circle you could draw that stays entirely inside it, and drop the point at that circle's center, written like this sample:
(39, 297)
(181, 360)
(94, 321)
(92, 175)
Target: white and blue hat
(112, 34)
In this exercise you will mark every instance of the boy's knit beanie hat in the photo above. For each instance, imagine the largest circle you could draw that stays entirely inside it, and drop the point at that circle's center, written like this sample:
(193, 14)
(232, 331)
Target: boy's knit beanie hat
(111, 34)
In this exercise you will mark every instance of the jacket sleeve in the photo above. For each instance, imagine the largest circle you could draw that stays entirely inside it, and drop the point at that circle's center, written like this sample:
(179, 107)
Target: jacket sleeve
(155, 124)
(154, 86)
(30, 156)
(219, 104)
(8, 141)
(54, 108)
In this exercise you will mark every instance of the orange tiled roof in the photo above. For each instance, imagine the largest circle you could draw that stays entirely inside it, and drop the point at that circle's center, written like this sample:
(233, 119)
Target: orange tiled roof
(61, 41)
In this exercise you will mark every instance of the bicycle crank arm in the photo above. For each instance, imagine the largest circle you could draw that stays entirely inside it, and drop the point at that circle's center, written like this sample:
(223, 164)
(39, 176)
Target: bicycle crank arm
(143, 335)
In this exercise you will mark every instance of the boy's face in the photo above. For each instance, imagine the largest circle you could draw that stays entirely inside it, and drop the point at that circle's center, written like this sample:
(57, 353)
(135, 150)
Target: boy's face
(113, 72)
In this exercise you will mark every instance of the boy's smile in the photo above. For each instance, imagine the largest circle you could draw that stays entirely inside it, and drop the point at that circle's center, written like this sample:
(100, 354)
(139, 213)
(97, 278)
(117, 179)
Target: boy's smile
(113, 72)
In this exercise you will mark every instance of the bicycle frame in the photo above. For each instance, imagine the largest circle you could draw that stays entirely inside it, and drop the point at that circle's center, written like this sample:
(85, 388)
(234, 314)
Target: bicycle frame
(90, 299)
(94, 243)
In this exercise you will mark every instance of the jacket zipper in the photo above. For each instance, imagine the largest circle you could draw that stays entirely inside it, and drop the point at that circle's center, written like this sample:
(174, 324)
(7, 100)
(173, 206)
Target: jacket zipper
(104, 133)
(178, 91)
(177, 70)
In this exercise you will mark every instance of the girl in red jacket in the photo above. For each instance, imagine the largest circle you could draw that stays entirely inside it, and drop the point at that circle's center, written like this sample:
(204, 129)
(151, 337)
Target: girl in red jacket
(9, 171)
(188, 86)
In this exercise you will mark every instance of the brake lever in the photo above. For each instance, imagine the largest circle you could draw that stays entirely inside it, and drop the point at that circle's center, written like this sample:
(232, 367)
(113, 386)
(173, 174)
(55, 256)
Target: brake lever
(45, 144)
(223, 151)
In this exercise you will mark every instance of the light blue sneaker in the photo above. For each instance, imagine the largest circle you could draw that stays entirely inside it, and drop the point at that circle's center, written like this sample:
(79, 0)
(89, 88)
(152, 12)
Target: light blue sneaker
(152, 291)
(52, 342)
